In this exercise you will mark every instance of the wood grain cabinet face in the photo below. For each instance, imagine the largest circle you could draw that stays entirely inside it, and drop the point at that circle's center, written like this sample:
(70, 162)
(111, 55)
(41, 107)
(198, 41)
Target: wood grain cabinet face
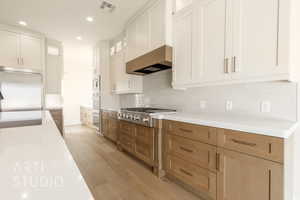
(266, 147)
(200, 154)
(195, 132)
(243, 177)
(144, 143)
(127, 128)
(201, 179)
(127, 142)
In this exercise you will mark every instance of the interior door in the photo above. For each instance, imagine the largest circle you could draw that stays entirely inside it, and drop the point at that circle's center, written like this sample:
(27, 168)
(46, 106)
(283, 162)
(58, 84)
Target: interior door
(31, 52)
(255, 33)
(243, 177)
(182, 63)
(9, 50)
(209, 41)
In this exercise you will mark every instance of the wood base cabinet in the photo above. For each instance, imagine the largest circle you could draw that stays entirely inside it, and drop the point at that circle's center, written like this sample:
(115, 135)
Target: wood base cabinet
(243, 177)
(109, 125)
(137, 140)
(219, 164)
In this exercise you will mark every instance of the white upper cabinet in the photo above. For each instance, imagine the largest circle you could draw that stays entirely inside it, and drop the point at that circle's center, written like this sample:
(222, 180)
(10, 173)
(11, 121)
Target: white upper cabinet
(208, 50)
(255, 34)
(150, 29)
(182, 51)
(181, 4)
(9, 50)
(21, 50)
(31, 52)
(157, 30)
(142, 34)
(232, 41)
(131, 41)
(121, 82)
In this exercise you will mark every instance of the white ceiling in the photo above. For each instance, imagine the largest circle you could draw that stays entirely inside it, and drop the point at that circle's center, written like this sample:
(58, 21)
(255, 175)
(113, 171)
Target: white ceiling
(64, 20)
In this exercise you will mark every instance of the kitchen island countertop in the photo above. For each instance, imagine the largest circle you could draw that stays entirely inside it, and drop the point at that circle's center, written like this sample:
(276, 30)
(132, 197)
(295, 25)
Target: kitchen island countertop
(36, 164)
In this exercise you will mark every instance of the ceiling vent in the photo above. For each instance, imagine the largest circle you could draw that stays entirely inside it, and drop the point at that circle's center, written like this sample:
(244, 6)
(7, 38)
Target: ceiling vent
(107, 6)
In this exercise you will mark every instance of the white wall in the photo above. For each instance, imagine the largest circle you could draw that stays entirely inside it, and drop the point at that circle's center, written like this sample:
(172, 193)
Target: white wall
(77, 81)
(246, 98)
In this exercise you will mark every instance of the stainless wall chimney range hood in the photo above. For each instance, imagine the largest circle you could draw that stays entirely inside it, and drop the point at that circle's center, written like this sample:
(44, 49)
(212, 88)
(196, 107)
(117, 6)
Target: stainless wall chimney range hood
(154, 61)
(19, 70)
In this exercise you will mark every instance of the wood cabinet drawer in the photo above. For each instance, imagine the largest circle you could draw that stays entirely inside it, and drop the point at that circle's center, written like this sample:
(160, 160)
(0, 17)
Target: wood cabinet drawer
(200, 179)
(144, 135)
(127, 128)
(127, 142)
(198, 153)
(266, 147)
(195, 132)
(144, 151)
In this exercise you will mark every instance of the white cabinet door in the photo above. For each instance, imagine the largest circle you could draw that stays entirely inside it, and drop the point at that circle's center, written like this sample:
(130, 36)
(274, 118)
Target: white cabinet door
(182, 54)
(31, 52)
(255, 38)
(181, 4)
(208, 51)
(142, 34)
(157, 25)
(9, 49)
(131, 42)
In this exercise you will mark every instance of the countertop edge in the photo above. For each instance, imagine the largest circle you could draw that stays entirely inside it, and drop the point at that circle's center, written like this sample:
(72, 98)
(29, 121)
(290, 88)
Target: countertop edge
(280, 133)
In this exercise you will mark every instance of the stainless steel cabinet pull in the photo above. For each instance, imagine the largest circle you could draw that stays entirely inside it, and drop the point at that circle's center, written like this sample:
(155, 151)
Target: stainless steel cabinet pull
(22, 61)
(218, 157)
(243, 142)
(226, 66)
(186, 172)
(187, 150)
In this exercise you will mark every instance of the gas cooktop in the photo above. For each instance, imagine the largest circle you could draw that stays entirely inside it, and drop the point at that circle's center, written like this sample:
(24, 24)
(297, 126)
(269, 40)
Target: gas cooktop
(142, 116)
(147, 110)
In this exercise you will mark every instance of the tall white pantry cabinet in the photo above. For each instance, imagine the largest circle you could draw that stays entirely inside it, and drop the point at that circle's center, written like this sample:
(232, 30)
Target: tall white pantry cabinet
(235, 41)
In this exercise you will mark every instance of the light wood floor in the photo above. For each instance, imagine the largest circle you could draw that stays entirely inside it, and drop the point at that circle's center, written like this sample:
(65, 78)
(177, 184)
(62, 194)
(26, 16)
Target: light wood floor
(113, 175)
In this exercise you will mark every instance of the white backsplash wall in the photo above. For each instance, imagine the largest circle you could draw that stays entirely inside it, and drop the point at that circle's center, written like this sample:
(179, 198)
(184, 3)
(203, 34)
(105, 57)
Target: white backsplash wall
(246, 98)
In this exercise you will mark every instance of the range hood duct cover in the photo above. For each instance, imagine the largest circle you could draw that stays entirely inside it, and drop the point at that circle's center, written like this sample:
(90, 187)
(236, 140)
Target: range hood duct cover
(154, 61)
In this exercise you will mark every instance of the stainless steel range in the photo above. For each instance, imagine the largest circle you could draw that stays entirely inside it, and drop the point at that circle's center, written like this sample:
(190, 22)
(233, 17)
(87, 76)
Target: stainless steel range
(142, 116)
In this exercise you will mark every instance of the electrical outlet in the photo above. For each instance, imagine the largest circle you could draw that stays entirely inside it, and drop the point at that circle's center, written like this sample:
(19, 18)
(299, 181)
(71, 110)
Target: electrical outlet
(265, 107)
(202, 105)
(229, 105)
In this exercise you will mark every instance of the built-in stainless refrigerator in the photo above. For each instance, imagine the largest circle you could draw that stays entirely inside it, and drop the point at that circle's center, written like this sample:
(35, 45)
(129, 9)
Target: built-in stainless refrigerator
(97, 103)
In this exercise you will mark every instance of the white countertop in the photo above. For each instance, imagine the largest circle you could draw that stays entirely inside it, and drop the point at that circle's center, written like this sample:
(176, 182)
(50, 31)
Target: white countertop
(257, 125)
(36, 164)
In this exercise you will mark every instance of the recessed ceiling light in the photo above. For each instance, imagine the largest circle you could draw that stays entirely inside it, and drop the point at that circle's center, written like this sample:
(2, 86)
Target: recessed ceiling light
(22, 23)
(79, 38)
(89, 19)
